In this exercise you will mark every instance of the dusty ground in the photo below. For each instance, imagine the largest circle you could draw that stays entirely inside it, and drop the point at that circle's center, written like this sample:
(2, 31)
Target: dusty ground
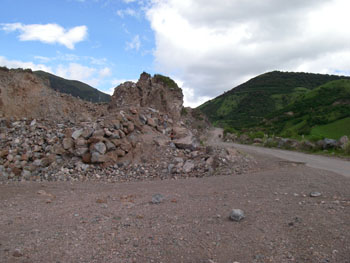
(99, 222)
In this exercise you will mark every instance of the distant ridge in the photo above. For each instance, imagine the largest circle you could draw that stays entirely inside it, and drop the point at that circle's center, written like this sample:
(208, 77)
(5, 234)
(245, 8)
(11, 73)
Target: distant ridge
(74, 88)
(250, 103)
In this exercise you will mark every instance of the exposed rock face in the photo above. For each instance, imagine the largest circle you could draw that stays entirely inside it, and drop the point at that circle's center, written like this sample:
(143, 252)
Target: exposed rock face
(158, 92)
(24, 95)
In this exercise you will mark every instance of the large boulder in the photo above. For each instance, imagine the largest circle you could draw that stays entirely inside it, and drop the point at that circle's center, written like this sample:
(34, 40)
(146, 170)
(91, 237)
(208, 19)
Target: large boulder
(329, 144)
(189, 142)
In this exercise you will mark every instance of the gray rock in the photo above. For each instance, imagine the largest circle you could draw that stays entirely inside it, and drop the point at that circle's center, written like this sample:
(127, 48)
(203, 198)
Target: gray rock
(236, 215)
(67, 143)
(131, 127)
(329, 144)
(76, 134)
(81, 151)
(115, 135)
(99, 133)
(33, 122)
(143, 119)
(157, 199)
(187, 143)
(188, 166)
(315, 194)
(26, 174)
(97, 158)
(110, 146)
(37, 162)
(80, 142)
(100, 147)
(108, 133)
(87, 133)
(343, 141)
(121, 134)
(178, 160)
(170, 167)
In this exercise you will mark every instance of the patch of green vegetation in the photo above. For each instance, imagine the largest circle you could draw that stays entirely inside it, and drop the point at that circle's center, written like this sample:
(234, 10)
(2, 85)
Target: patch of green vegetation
(166, 81)
(265, 97)
(318, 107)
(229, 130)
(74, 88)
(334, 130)
(184, 111)
(197, 114)
(258, 134)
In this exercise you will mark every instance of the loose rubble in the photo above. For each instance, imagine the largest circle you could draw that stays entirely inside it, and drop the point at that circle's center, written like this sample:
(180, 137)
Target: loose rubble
(132, 142)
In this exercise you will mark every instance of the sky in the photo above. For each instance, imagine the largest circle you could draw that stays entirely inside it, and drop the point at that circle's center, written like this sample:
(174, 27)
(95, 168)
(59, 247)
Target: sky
(207, 47)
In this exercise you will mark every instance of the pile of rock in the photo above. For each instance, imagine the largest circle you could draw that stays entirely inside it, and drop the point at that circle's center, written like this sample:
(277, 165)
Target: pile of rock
(133, 146)
(141, 136)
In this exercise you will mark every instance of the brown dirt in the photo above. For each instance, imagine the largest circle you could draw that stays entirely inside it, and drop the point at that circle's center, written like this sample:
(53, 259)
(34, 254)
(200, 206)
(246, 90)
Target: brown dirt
(100, 222)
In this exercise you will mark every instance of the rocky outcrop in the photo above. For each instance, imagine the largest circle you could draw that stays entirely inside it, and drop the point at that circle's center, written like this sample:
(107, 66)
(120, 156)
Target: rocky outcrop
(24, 95)
(159, 92)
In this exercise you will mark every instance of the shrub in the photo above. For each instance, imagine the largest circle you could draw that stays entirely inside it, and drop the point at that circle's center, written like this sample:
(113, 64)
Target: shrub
(315, 138)
(4, 69)
(258, 134)
(184, 111)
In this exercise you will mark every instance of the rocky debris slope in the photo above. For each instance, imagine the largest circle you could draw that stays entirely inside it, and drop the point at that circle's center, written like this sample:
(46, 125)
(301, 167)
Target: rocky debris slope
(130, 142)
(24, 95)
(105, 150)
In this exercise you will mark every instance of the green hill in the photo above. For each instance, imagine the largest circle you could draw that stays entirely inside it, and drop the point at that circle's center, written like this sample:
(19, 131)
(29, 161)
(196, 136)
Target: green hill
(321, 112)
(74, 88)
(250, 103)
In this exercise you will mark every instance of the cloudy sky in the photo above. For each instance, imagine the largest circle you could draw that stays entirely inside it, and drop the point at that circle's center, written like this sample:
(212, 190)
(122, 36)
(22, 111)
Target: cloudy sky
(207, 46)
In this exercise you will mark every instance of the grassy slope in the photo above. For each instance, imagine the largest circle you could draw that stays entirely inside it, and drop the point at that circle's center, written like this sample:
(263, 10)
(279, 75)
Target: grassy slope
(333, 130)
(75, 88)
(248, 104)
(322, 112)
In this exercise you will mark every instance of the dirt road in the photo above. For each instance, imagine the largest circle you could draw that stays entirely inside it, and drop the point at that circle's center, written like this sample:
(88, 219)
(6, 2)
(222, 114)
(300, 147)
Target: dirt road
(315, 161)
(100, 222)
(341, 167)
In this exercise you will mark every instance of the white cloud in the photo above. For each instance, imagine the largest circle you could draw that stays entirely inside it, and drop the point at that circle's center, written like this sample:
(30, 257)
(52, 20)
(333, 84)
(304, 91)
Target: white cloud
(42, 59)
(48, 33)
(129, 1)
(105, 72)
(213, 47)
(135, 43)
(117, 82)
(97, 77)
(128, 12)
(4, 62)
(76, 71)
